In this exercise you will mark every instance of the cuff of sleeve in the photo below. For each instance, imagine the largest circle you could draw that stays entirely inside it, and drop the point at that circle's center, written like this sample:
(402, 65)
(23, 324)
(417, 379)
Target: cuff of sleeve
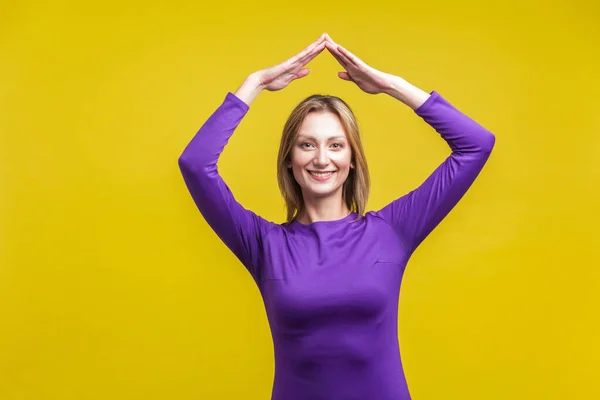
(232, 98)
(434, 97)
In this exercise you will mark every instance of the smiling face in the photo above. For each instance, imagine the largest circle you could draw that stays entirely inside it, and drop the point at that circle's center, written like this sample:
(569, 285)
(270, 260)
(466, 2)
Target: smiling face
(321, 155)
(322, 134)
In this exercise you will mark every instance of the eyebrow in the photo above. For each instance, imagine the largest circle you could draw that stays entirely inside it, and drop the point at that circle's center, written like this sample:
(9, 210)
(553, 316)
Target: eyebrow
(330, 138)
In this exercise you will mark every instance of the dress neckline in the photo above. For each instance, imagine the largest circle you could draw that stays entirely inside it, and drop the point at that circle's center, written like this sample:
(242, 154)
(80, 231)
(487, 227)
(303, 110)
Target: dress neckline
(334, 222)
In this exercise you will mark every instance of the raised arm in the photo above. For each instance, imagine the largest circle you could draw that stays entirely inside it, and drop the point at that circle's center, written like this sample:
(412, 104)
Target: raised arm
(417, 213)
(241, 230)
(414, 215)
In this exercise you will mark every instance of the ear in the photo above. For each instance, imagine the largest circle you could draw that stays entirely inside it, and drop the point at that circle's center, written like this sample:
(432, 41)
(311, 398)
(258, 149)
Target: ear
(289, 164)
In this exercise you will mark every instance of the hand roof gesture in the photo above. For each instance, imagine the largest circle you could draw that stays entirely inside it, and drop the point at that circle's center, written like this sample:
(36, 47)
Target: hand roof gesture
(364, 76)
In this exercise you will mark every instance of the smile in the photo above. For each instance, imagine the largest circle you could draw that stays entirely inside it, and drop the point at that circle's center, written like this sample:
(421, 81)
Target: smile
(321, 176)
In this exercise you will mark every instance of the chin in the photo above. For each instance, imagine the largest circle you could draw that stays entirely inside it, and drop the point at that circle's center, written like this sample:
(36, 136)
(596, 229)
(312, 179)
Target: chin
(321, 191)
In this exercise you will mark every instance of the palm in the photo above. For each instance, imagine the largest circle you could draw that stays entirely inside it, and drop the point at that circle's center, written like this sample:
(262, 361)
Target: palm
(279, 76)
(369, 79)
(364, 76)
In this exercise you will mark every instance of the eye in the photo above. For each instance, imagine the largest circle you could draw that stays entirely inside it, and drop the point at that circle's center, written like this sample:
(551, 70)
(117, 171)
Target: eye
(339, 145)
(302, 144)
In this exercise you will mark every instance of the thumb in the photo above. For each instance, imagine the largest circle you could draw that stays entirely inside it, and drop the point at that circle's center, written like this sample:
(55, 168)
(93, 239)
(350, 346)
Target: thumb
(344, 76)
(302, 73)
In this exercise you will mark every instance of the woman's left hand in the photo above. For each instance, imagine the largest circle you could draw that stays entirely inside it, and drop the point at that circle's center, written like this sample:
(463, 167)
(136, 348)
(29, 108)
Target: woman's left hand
(364, 76)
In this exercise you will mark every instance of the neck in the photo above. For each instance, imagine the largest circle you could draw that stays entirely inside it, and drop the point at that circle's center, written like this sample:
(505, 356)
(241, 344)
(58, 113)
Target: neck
(323, 209)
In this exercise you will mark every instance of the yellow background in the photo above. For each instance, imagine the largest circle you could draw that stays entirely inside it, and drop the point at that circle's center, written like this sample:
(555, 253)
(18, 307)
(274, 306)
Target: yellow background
(112, 286)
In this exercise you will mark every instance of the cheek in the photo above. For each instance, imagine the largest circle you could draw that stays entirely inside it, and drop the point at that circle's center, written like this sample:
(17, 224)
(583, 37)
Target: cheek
(297, 166)
(342, 159)
(299, 159)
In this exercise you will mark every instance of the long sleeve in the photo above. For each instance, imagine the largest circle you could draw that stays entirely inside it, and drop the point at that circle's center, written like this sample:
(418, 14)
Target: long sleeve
(416, 214)
(241, 230)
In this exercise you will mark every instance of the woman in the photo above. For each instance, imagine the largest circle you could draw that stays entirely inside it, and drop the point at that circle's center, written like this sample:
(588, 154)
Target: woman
(330, 275)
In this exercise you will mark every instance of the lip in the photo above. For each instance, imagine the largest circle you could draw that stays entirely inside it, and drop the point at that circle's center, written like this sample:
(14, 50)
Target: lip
(318, 179)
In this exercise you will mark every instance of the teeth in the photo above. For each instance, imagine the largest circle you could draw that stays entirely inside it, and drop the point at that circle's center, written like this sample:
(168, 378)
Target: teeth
(320, 174)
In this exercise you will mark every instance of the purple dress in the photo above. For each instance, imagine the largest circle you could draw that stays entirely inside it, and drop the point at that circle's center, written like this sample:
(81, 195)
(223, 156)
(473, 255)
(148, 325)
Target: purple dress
(331, 288)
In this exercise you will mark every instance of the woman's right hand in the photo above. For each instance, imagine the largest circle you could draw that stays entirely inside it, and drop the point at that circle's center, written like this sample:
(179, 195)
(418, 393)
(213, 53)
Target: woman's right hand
(279, 76)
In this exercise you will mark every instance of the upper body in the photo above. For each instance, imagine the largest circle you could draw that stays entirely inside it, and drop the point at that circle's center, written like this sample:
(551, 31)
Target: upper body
(331, 288)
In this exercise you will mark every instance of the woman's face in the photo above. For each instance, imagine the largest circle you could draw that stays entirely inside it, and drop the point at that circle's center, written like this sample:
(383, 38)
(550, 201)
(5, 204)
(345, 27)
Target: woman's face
(321, 147)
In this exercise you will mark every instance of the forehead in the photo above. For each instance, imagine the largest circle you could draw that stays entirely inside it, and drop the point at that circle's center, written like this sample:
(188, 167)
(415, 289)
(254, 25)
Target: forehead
(322, 125)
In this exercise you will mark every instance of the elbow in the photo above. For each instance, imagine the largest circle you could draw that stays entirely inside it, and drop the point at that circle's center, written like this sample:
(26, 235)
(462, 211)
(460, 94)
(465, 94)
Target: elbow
(487, 142)
(191, 165)
(187, 163)
(480, 145)
(183, 162)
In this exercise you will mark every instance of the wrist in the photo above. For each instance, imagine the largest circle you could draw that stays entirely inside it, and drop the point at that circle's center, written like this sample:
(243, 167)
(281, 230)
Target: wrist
(250, 89)
(407, 93)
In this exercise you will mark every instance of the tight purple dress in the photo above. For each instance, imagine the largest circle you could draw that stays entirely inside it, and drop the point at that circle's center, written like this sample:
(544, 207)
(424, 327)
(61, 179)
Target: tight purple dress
(331, 288)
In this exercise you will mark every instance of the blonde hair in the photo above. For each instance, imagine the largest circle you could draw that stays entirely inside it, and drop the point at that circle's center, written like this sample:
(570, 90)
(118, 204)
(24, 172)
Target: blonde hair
(355, 190)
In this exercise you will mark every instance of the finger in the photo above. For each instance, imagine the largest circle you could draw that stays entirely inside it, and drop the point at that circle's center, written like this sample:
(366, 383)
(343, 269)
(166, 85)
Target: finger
(297, 61)
(316, 51)
(291, 64)
(311, 46)
(333, 48)
(321, 38)
(308, 50)
(342, 53)
(349, 56)
(340, 60)
(331, 45)
(338, 56)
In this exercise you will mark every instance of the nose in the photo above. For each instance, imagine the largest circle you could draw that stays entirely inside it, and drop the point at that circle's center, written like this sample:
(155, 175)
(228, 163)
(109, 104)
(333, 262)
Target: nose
(321, 158)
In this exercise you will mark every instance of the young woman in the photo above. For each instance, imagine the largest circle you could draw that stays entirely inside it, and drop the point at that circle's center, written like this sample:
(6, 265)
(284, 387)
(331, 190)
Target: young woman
(330, 275)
